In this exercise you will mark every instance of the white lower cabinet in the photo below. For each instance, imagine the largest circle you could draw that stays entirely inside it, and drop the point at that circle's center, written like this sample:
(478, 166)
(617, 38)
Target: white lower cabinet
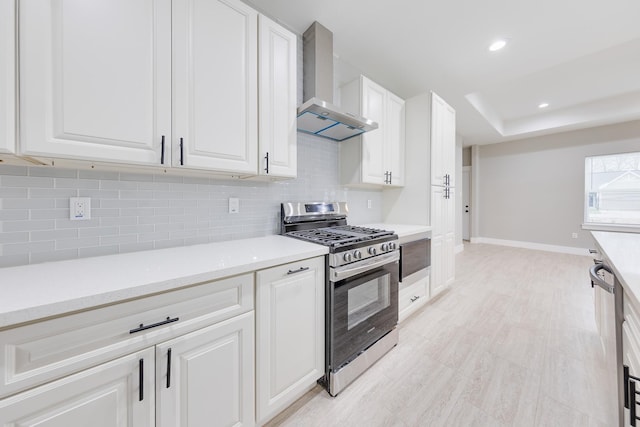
(412, 297)
(179, 358)
(115, 394)
(289, 333)
(205, 378)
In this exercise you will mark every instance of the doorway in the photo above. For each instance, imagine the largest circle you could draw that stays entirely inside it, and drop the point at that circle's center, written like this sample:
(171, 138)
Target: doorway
(466, 203)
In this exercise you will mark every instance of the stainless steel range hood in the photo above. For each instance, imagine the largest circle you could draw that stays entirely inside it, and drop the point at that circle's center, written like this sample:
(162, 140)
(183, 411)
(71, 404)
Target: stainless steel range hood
(318, 115)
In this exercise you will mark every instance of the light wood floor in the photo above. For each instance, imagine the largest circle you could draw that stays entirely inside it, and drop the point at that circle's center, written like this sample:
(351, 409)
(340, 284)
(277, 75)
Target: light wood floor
(512, 342)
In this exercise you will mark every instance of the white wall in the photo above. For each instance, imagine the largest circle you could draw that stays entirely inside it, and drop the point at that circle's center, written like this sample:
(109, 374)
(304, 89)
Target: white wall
(532, 190)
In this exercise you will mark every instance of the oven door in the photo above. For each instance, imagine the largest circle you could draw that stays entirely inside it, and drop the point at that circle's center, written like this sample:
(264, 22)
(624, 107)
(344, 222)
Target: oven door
(363, 306)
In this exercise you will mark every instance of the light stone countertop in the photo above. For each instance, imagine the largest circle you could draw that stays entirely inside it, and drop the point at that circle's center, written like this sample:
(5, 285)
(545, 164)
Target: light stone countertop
(38, 291)
(623, 252)
(405, 232)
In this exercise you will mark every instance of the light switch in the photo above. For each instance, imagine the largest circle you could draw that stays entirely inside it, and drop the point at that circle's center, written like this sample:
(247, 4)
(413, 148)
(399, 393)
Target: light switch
(234, 205)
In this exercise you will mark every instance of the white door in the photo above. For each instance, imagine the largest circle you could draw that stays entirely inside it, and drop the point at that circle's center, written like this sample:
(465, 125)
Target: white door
(277, 100)
(289, 333)
(205, 378)
(7, 77)
(95, 79)
(373, 108)
(466, 204)
(394, 141)
(119, 393)
(215, 55)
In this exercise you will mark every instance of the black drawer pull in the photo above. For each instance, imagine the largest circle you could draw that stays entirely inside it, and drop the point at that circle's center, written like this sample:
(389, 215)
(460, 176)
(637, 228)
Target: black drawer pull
(141, 380)
(169, 368)
(142, 327)
(300, 270)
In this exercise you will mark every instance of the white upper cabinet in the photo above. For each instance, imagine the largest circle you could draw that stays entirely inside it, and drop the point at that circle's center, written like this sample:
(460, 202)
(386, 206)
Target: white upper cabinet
(215, 85)
(152, 82)
(277, 87)
(7, 77)
(395, 141)
(95, 79)
(376, 158)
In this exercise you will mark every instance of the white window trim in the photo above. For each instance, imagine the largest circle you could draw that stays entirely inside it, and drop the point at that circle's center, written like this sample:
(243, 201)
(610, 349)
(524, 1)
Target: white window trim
(623, 228)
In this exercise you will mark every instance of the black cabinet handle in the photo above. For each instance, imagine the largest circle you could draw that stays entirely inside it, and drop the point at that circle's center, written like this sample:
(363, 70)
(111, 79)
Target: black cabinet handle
(300, 270)
(143, 327)
(390, 177)
(162, 151)
(181, 152)
(266, 169)
(168, 368)
(141, 380)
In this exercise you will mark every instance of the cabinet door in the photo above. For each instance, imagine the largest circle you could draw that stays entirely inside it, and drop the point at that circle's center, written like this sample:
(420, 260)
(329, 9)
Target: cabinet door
(116, 394)
(206, 378)
(289, 334)
(95, 79)
(373, 108)
(394, 140)
(442, 202)
(7, 77)
(277, 100)
(215, 83)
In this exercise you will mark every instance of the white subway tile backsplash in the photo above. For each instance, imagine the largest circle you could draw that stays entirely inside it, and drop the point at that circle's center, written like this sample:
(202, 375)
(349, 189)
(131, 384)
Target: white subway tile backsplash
(8, 226)
(28, 248)
(137, 211)
(27, 181)
(15, 237)
(83, 242)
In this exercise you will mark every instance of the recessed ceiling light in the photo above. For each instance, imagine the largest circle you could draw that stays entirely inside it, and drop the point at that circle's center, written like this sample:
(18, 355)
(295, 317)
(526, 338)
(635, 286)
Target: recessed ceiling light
(497, 45)
(543, 105)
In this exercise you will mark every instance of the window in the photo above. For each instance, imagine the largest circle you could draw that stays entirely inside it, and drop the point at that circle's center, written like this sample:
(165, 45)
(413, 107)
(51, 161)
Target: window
(612, 189)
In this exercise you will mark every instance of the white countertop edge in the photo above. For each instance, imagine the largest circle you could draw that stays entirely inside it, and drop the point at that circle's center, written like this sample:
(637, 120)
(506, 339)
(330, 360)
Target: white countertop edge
(404, 231)
(133, 275)
(622, 250)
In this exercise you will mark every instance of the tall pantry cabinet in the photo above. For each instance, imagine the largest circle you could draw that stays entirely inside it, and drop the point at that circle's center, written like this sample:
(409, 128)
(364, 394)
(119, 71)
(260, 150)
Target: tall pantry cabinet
(443, 144)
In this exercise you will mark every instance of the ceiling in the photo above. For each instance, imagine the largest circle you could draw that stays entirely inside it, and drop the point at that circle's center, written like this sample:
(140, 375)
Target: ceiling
(582, 57)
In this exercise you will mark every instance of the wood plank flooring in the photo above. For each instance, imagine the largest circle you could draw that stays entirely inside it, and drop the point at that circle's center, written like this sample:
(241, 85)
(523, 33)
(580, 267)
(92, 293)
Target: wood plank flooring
(512, 342)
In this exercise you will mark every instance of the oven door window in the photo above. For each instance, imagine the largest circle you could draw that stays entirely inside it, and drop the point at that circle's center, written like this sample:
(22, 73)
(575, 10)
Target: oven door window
(367, 300)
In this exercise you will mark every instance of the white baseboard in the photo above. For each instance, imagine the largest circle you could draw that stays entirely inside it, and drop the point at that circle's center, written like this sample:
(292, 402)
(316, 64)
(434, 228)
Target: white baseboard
(459, 248)
(531, 245)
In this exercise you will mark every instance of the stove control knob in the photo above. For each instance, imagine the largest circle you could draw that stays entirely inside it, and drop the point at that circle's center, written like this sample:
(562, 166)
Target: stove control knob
(357, 254)
(372, 251)
(385, 247)
(392, 246)
(347, 257)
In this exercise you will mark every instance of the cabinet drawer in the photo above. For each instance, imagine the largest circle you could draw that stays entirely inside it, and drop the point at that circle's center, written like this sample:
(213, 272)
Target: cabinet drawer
(412, 297)
(39, 352)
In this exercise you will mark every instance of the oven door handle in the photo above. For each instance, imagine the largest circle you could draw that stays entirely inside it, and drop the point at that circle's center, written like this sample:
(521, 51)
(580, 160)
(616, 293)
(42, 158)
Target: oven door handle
(597, 280)
(354, 269)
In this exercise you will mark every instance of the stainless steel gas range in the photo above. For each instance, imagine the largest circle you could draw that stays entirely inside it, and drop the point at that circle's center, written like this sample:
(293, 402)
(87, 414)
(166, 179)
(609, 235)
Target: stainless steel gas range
(361, 287)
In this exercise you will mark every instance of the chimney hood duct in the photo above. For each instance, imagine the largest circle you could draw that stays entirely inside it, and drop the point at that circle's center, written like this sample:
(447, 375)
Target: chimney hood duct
(317, 115)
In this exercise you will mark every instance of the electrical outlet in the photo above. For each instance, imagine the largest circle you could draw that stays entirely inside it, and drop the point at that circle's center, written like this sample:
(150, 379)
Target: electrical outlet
(574, 235)
(79, 208)
(369, 204)
(234, 205)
